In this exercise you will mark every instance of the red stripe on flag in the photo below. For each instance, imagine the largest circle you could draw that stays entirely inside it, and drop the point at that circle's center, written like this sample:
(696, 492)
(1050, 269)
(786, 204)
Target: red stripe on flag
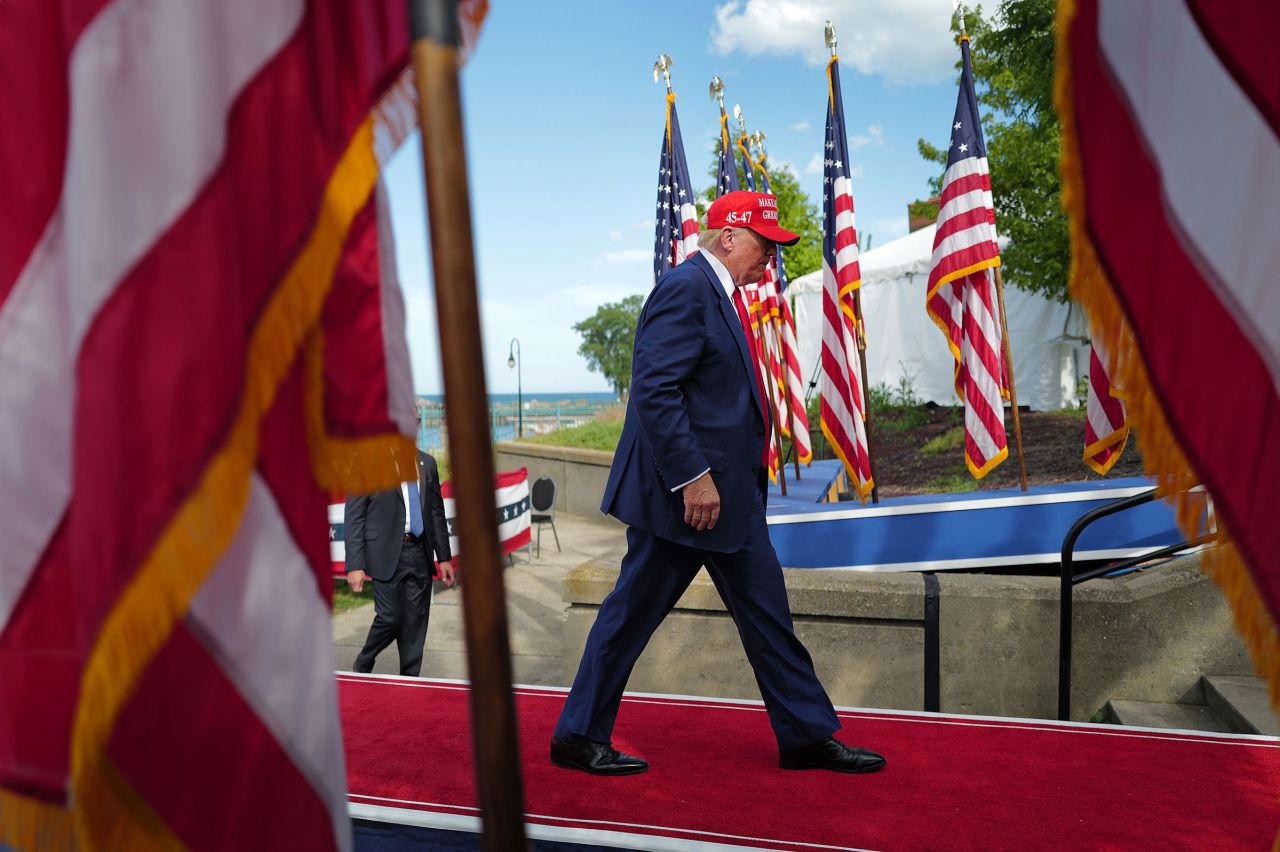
(34, 49)
(284, 463)
(845, 237)
(1247, 52)
(41, 649)
(962, 222)
(963, 185)
(186, 734)
(354, 350)
(1217, 393)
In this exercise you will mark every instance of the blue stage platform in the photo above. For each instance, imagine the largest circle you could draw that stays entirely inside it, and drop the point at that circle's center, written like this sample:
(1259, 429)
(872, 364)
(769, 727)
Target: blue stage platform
(938, 532)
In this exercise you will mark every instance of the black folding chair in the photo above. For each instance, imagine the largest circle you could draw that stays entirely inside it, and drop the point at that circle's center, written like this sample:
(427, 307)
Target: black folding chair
(543, 499)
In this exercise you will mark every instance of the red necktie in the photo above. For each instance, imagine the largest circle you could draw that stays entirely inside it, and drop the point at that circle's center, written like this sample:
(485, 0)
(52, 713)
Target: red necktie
(741, 305)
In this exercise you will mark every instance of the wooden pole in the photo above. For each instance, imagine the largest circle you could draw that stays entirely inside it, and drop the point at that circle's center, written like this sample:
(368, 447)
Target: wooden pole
(434, 27)
(1013, 391)
(866, 394)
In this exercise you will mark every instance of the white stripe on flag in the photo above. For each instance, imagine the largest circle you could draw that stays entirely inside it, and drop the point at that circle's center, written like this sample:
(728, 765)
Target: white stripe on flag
(267, 626)
(1220, 191)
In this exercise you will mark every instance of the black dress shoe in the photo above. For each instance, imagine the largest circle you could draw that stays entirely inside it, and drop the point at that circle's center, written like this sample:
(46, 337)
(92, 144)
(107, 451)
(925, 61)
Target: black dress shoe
(595, 758)
(830, 754)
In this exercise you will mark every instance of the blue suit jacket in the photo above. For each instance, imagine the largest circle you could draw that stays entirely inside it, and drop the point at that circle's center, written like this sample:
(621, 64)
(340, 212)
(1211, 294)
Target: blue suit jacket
(694, 405)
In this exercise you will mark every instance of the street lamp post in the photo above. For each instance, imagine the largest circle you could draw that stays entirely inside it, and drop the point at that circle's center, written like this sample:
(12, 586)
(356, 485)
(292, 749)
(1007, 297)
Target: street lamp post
(513, 360)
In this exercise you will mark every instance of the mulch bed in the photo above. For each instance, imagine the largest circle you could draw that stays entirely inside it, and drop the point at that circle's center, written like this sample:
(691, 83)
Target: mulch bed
(1053, 443)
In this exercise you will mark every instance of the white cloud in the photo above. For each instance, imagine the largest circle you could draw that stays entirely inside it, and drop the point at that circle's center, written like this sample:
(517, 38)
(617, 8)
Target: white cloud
(906, 41)
(873, 136)
(615, 235)
(800, 126)
(815, 165)
(645, 225)
(855, 170)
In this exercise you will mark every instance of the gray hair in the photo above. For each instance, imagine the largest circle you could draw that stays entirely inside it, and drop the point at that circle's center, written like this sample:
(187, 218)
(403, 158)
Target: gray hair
(709, 239)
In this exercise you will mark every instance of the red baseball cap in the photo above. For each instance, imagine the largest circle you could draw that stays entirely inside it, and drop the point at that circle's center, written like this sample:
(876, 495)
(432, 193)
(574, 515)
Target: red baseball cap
(757, 211)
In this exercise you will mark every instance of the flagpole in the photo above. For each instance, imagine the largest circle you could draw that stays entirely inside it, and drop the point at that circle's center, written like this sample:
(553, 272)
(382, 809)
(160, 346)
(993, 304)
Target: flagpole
(435, 34)
(1013, 391)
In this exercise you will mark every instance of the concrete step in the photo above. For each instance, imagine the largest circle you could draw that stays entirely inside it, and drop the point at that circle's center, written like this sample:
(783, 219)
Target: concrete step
(1241, 701)
(1156, 714)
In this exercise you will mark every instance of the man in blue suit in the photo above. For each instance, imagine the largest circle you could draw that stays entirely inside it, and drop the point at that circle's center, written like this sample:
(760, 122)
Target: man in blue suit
(689, 481)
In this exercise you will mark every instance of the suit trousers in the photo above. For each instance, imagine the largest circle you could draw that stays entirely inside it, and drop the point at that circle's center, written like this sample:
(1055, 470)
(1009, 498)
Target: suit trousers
(401, 606)
(654, 575)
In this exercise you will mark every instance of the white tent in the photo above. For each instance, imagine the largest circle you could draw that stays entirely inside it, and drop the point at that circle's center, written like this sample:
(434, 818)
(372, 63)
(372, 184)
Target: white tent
(1050, 347)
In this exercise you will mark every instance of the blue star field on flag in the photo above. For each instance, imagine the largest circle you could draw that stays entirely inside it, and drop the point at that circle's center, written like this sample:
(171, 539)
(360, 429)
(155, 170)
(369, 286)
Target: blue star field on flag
(966, 128)
(726, 174)
(748, 173)
(675, 201)
(835, 165)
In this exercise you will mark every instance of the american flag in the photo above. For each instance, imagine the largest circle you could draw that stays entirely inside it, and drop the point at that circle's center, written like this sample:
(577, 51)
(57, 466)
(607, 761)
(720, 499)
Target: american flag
(1106, 425)
(1171, 170)
(842, 409)
(796, 426)
(187, 280)
(726, 173)
(676, 232)
(962, 289)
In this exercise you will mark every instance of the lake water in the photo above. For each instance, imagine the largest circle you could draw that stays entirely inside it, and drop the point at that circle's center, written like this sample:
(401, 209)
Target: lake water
(542, 412)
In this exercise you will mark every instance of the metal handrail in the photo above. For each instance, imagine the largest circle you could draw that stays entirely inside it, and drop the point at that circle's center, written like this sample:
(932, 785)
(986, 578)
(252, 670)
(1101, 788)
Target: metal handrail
(1069, 579)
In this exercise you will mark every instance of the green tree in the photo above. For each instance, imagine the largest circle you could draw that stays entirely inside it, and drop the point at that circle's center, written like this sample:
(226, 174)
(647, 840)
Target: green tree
(795, 213)
(1012, 53)
(607, 338)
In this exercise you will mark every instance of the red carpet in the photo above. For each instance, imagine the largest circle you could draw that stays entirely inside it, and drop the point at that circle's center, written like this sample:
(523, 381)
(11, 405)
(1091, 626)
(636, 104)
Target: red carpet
(951, 783)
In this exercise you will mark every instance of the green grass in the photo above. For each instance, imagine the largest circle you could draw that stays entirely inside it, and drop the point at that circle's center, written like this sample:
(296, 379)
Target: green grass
(344, 599)
(596, 435)
(952, 439)
(952, 483)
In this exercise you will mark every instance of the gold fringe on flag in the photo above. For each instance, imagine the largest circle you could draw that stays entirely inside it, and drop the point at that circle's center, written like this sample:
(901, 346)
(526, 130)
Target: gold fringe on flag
(1162, 455)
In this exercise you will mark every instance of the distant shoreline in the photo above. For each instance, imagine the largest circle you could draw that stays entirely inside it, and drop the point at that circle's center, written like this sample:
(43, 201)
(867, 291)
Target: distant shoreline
(435, 400)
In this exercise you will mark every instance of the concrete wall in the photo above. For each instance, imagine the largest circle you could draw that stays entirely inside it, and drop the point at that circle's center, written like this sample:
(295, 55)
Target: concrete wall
(1148, 636)
(580, 475)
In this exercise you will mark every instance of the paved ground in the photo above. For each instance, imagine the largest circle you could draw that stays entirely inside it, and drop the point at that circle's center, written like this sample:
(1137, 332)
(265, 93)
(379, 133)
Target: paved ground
(535, 610)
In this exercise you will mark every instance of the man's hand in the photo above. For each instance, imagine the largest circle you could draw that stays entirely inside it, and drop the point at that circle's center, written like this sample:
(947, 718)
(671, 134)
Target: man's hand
(355, 579)
(701, 503)
(446, 572)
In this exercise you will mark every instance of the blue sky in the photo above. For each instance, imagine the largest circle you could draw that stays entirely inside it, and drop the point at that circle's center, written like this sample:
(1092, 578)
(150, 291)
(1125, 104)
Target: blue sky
(564, 124)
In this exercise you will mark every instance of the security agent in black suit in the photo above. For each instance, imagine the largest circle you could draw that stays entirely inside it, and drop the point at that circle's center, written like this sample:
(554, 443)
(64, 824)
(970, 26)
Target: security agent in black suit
(390, 537)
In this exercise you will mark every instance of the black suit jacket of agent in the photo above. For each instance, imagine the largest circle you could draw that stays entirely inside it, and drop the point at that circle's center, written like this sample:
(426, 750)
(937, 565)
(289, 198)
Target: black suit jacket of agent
(373, 527)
